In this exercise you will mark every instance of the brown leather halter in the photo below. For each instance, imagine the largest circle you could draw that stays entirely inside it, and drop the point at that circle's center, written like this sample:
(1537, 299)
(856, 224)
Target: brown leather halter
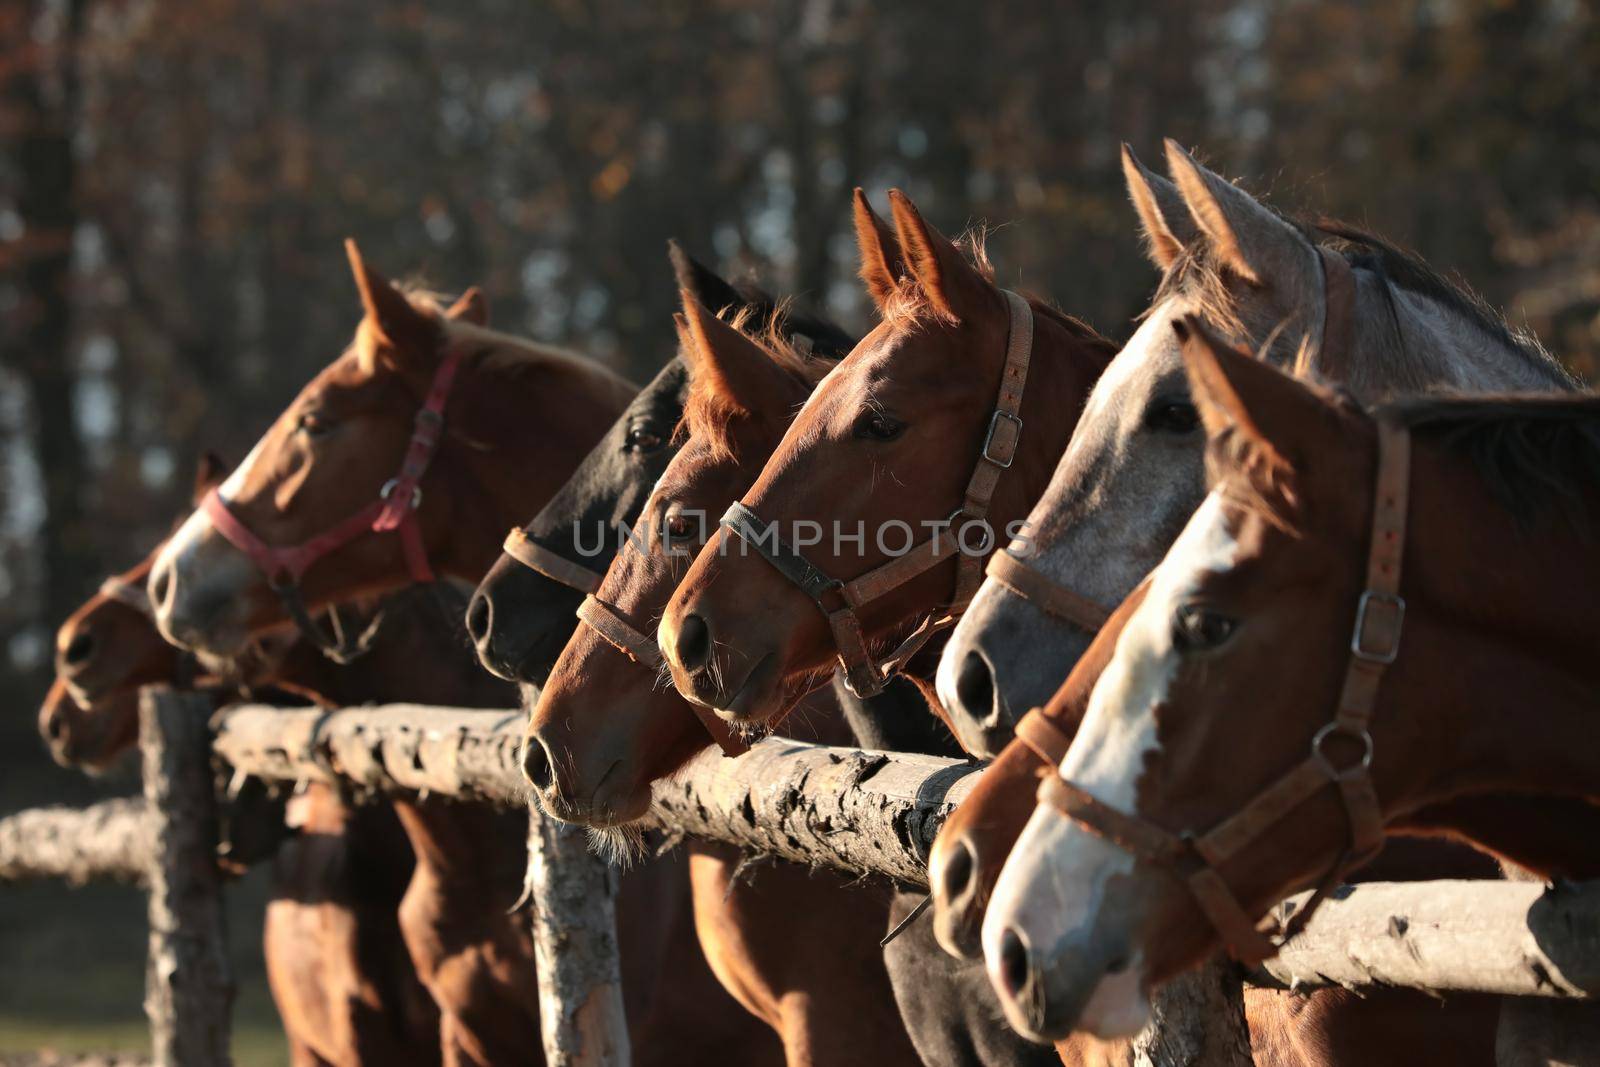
(640, 647)
(1333, 349)
(839, 601)
(1196, 859)
(394, 510)
(528, 552)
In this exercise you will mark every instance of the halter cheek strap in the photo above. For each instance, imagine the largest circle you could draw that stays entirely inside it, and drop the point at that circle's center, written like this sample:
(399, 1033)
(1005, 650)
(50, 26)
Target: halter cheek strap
(1196, 860)
(528, 552)
(394, 510)
(640, 647)
(840, 601)
(1048, 595)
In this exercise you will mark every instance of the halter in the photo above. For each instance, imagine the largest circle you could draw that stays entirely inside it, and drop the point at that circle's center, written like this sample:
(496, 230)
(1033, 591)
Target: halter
(640, 647)
(1195, 860)
(395, 510)
(839, 601)
(128, 595)
(539, 559)
(1055, 599)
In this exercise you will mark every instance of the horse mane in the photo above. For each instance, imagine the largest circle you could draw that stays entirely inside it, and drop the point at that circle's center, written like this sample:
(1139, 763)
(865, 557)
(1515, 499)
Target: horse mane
(1198, 274)
(709, 414)
(908, 307)
(1532, 452)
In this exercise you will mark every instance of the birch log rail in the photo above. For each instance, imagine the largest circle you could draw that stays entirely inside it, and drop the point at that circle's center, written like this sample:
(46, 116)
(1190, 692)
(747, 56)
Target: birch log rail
(107, 841)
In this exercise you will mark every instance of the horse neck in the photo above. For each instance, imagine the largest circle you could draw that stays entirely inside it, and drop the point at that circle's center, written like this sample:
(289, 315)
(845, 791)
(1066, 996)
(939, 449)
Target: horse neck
(1496, 676)
(1406, 342)
(465, 843)
(519, 432)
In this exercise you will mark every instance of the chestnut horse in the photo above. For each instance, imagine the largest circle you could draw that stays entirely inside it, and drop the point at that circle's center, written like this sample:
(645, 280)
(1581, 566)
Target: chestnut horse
(1332, 541)
(521, 616)
(1364, 314)
(604, 730)
(963, 395)
(408, 456)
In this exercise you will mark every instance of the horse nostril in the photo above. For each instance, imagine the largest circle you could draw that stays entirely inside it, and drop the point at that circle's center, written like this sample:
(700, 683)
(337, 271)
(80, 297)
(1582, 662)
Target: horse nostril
(55, 726)
(975, 688)
(536, 766)
(1014, 966)
(955, 873)
(78, 650)
(694, 643)
(480, 618)
(160, 586)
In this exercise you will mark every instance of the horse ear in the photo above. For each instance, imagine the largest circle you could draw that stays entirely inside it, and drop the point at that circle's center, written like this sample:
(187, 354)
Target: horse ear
(725, 361)
(208, 474)
(471, 306)
(882, 266)
(1251, 241)
(950, 283)
(1255, 416)
(1167, 224)
(708, 287)
(395, 322)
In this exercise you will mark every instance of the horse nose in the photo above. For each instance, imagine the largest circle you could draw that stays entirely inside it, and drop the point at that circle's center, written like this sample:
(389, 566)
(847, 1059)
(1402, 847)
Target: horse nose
(693, 645)
(536, 765)
(78, 650)
(480, 619)
(975, 690)
(1016, 968)
(954, 876)
(160, 589)
(54, 726)
(958, 914)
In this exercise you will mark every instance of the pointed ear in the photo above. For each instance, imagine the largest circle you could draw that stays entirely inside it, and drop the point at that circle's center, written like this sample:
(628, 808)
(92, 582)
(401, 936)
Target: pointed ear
(950, 283)
(737, 370)
(208, 474)
(1251, 241)
(1167, 224)
(395, 323)
(708, 287)
(470, 306)
(881, 264)
(1259, 421)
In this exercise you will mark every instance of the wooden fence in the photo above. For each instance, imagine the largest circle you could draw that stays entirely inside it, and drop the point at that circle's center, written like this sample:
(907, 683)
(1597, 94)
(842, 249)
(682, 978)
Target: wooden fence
(866, 813)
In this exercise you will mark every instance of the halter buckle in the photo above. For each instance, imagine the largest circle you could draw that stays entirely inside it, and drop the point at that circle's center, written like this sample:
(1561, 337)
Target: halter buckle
(394, 483)
(1359, 647)
(988, 439)
(1334, 773)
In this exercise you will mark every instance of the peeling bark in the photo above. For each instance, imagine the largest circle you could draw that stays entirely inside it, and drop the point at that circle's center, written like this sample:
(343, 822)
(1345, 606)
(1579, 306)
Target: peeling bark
(107, 841)
(1197, 1020)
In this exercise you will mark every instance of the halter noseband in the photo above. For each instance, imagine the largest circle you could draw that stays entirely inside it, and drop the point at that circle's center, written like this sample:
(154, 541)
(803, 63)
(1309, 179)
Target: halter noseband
(1053, 598)
(394, 510)
(539, 559)
(839, 601)
(1196, 860)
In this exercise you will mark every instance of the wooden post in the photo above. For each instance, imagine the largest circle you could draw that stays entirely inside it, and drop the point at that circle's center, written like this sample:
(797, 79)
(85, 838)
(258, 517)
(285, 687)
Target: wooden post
(1197, 1020)
(575, 940)
(188, 983)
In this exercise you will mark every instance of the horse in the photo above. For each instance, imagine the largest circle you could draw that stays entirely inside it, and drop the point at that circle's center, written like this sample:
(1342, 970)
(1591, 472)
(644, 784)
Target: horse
(1327, 603)
(418, 430)
(964, 394)
(604, 730)
(1351, 308)
(521, 615)
(1369, 316)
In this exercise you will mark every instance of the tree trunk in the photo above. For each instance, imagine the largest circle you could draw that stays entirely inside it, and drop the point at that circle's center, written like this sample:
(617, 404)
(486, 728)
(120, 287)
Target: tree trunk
(1197, 1020)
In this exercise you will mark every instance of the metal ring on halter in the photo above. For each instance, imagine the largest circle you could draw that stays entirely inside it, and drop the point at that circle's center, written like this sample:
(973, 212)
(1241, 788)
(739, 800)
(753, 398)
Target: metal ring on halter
(392, 484)
(1326, 763)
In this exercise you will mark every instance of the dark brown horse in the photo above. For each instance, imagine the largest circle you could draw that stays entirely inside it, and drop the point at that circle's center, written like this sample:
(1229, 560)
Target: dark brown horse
(1336, 607)
(945, 418)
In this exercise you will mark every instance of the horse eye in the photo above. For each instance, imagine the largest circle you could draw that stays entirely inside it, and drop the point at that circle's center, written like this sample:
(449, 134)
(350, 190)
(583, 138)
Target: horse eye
(1174, 417)
(1194, 629)
(642, 439)
(679, 528)
(314, 424)
(877, 426)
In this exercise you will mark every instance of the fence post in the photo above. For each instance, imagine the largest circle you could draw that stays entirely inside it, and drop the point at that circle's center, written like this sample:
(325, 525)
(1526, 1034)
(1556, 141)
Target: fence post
(188, 983)
(1197, 1020)
(575, 942)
